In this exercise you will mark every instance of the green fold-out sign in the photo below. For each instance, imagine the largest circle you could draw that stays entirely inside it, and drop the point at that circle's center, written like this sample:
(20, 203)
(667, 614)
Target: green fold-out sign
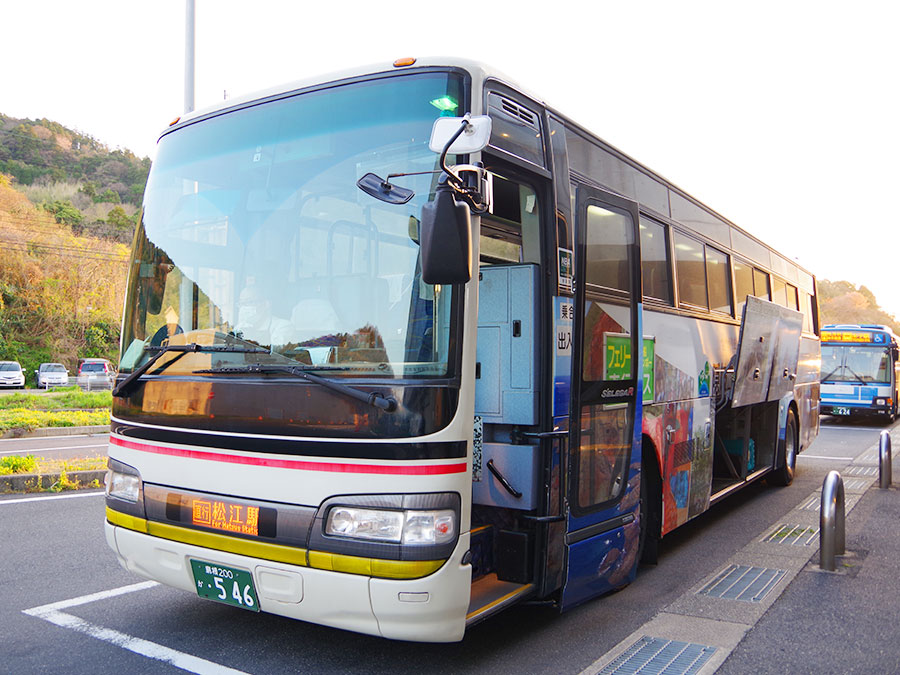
(618, 361)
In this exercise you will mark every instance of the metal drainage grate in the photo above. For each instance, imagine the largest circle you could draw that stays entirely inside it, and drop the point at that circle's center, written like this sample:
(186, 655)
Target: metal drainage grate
(658, 655)
(793, 535)
(813, 503)
(862, 471)
(868, 456)
(741, 582)
(856, 484)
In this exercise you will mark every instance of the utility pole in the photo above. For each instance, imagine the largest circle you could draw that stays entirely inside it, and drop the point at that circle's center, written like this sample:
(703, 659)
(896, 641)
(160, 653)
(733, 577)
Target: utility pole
(189, 56)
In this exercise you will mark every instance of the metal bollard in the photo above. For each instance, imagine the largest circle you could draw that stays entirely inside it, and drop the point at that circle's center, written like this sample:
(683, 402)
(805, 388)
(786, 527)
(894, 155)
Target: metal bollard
(831, 521)
(884, 460)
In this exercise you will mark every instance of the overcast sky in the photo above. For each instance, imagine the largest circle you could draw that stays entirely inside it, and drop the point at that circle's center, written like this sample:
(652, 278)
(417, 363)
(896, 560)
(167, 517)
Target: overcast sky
(781, 115)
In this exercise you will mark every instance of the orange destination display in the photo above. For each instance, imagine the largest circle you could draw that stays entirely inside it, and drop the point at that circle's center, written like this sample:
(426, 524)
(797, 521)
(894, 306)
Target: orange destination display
(225, 516)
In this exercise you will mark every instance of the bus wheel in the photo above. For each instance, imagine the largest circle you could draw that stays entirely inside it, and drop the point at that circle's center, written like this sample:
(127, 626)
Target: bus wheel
(784, 474)
(648, 549)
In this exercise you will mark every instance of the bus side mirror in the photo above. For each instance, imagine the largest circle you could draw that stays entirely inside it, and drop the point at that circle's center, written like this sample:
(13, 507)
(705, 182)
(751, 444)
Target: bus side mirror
(473, 138)
(446, 239)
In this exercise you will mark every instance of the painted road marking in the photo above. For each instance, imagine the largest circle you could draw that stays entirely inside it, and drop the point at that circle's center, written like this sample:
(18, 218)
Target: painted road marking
(44, 499)
(836, 459)
(62, 447)
(151, 650)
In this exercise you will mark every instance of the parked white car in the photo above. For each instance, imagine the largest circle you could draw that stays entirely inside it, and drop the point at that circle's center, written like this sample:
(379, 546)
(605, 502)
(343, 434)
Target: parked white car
(51, 375)
(11, 374)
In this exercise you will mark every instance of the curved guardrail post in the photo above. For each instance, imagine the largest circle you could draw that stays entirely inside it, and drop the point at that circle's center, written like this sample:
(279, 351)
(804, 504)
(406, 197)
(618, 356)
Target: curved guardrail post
(831, 520)
(884, 460)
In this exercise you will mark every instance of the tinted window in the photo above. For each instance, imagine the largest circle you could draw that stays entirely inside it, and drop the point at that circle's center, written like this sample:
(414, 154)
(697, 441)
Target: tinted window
(609, 240)
(655, 261)
(691, 271)
(515, 128)
(779, 292)
(743, 284)
(791, 297)
(717, 277)
(760, 284)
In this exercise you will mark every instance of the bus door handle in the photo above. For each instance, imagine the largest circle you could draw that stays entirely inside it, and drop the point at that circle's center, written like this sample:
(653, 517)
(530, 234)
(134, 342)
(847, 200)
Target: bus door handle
(500, 477)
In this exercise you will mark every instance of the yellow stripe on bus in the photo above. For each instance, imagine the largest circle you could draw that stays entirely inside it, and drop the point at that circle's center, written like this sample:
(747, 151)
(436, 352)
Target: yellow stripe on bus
(387, 569)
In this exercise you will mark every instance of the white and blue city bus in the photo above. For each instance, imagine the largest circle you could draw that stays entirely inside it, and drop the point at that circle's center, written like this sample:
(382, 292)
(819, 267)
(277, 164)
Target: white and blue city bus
(860, 370)
(379, 366)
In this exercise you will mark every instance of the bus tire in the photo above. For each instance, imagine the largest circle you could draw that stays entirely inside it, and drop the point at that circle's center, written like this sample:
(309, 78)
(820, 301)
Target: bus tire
(651, 502)
(783, 474)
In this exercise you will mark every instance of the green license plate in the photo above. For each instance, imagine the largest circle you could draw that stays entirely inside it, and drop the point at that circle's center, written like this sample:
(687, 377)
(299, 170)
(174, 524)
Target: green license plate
(842, 411)
(225, 584)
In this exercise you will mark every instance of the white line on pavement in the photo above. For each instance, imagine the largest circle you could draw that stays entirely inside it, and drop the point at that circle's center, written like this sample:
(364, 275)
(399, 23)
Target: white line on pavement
(50, 438)
(43, 499)
(836, 459)
(140, 646)
(63, 447)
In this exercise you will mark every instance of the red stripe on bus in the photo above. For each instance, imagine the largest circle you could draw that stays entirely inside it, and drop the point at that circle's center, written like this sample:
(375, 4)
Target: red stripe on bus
(413, 470)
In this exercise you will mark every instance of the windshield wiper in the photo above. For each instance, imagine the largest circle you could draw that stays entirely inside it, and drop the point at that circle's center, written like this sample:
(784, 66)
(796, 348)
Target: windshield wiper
(128, 382)
(375, 399)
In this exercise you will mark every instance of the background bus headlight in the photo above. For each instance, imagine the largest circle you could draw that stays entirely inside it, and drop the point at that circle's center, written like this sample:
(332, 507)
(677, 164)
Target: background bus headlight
(123, 482)
(402, 527)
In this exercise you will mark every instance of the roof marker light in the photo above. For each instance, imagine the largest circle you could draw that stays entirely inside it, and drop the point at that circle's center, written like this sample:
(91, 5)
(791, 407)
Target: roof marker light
(407, 61)
(175, 121)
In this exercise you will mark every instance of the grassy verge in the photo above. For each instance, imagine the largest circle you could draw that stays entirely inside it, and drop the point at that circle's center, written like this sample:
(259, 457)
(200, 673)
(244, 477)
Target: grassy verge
(42, 466)
(58, 399)
(24, 418)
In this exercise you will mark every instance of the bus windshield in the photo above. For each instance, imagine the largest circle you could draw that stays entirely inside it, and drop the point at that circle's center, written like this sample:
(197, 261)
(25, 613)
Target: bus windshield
(255, 234)
(855, 364)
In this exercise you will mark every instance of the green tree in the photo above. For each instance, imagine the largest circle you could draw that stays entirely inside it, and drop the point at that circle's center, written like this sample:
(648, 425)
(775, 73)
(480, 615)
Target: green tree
(65, 212)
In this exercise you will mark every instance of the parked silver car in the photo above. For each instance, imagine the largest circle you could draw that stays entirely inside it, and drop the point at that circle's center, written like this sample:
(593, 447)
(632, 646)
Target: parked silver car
(51, 375)
(11, 374)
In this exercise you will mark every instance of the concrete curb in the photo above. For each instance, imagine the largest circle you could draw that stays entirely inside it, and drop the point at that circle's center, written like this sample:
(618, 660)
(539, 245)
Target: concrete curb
(56, 431)
(32, 482)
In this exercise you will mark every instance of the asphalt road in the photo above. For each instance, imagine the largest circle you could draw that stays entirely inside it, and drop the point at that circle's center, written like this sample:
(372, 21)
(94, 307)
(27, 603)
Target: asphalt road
(68, 607)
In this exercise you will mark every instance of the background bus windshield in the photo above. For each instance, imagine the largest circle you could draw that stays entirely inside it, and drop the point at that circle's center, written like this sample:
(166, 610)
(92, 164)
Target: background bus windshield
(845, 363)
(255, 233)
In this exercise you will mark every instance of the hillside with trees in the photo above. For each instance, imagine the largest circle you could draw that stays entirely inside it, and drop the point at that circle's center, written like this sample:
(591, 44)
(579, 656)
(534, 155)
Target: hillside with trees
(61, 293)
(843, 302)
(82, 183)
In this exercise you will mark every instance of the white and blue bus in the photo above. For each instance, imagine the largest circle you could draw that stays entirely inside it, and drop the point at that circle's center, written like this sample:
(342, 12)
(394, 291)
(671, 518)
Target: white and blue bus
(380, 363)
(860, 370)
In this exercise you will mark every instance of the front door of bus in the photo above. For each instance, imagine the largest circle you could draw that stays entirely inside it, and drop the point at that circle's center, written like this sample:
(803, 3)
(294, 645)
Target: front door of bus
(604, 463)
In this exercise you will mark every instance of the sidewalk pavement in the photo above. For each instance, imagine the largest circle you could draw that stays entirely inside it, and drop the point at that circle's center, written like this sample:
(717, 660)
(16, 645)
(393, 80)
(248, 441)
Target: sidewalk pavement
(772, 610)
(24, 482)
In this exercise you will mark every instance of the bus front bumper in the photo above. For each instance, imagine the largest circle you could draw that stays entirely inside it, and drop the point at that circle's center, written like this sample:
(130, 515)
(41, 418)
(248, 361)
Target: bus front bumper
(430, 609)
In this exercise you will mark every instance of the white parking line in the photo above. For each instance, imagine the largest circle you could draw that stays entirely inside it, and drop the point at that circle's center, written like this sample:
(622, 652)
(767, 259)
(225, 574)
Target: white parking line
(47, 498)
(63, 447)
(836, 459)
(151, 650)
(50, 438)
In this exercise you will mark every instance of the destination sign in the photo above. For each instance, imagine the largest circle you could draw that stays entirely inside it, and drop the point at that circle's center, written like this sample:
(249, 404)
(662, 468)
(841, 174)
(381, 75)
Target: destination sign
(225, 516)
(853, 336)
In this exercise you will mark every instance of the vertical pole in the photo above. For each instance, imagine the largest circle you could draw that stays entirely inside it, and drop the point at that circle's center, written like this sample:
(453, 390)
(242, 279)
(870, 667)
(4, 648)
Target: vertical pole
(189, 56)
(884, 460)
(831, 521)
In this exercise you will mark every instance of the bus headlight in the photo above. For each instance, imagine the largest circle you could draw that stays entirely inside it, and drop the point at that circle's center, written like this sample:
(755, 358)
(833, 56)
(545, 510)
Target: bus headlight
(411, 527)
(123, 482)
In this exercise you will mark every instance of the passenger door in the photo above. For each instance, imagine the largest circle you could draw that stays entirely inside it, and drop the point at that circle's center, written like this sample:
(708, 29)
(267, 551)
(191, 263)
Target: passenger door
(604, 464)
